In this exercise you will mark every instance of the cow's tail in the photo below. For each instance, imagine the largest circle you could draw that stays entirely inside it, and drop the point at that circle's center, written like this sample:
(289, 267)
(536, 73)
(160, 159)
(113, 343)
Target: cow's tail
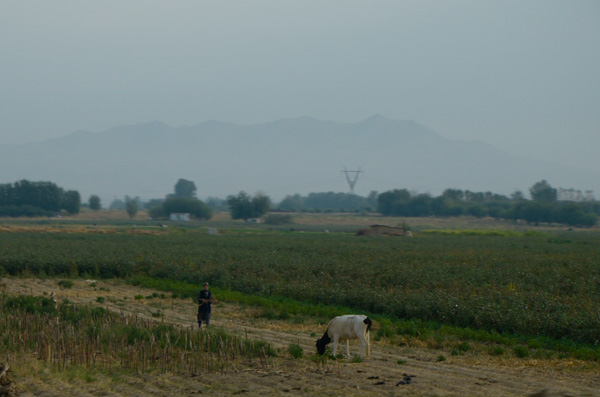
(368, 322)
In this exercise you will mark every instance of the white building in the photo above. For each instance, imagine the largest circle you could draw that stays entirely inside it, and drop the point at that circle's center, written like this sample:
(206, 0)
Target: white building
(177, 216)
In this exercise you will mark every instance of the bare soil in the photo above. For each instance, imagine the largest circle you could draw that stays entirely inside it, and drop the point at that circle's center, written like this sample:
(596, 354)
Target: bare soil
(325, 220)
(475, 374)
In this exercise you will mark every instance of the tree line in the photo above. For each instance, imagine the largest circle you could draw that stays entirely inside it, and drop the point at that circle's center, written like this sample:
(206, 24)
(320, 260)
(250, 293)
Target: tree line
(25, 198)
(329, 202)
(544, 205)
(547, 204)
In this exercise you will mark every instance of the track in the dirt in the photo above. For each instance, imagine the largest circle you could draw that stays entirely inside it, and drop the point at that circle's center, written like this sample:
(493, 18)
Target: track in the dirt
(379, 375)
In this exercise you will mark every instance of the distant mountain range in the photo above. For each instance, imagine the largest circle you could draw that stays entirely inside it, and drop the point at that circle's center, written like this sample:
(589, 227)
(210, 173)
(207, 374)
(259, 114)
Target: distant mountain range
(279, 158)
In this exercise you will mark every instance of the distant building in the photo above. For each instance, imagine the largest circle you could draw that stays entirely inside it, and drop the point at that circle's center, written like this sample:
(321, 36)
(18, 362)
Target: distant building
(179, 216)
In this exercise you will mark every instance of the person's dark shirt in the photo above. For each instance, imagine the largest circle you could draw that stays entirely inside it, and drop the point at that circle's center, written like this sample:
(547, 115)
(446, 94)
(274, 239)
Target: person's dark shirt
(206, 306)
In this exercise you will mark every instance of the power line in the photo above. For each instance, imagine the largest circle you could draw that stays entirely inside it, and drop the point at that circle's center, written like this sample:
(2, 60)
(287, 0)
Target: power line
(351, 180)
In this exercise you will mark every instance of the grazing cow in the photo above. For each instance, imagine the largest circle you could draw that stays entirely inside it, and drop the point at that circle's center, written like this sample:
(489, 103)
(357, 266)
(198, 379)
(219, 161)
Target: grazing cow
(346, 327)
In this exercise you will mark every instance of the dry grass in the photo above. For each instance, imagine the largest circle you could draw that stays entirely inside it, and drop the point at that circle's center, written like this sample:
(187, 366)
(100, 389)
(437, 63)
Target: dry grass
(49, 229)
(304, 219)
(419, 223)
(284, 375)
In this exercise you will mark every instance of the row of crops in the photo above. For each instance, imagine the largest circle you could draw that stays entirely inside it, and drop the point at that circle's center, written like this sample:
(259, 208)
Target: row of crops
(536, 284)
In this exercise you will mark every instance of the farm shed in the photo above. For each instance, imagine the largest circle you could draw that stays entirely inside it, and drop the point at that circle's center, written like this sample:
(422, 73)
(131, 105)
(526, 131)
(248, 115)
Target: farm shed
(176, 216)
(384, 230)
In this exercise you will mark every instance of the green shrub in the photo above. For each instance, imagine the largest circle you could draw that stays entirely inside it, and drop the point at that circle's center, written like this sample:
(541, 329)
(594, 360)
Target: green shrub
(284, 316)
(385, 331)
(269, 314)
(295, 350)
(521, 351)
(265, 347)
(463, 347)
(29, 304)
(67, 284)
(497, 351)
(320, 359)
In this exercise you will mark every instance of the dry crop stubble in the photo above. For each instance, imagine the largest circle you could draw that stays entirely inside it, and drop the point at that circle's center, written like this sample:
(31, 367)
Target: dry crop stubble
(458, 375)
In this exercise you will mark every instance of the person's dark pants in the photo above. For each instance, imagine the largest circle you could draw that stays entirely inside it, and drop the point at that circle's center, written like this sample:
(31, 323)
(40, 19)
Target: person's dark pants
(203, 317)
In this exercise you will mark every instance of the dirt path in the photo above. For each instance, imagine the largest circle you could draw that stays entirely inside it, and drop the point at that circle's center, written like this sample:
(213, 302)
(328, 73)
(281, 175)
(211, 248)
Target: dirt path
(466, 375)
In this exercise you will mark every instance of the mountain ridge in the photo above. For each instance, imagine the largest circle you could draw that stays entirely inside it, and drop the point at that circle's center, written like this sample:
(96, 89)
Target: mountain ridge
(279, 158)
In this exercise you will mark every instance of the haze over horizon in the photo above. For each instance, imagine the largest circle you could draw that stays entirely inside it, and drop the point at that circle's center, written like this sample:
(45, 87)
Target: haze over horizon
(521, 76)
(289, 156)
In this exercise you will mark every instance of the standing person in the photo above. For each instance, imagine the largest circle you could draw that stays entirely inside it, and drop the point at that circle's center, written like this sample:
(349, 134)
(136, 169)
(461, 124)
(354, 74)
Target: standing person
(205, 299)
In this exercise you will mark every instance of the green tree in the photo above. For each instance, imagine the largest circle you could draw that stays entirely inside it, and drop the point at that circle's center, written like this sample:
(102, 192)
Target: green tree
(450, 203)
(190, 205)
(393, 203)
(45, 195)
(185, 188)
(330, 201)
(372, 199)
(94, 202)
(498, 209)
(293, 203)
(543, 192)
(454, 194)
(240, 206)
(477, 197)
(261, 204)
(420, 205)
(243, 206)
(477, 210)
(157, 212)
(131, 207)
(117, 204)
(25, 198)
(71, 202)
(217, 204)
(534, 212)
(517, 196)
(440, 205)
(575, 214)
(153, 203)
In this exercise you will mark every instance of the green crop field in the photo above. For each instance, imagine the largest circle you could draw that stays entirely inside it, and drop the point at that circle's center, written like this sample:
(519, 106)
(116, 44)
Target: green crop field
(544, 284)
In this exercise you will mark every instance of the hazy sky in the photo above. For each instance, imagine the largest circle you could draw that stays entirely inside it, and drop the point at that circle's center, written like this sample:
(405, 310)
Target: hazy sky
(522, 75)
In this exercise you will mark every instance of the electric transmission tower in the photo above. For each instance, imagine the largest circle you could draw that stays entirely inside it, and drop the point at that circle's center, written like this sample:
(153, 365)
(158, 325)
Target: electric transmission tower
(351, 179)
